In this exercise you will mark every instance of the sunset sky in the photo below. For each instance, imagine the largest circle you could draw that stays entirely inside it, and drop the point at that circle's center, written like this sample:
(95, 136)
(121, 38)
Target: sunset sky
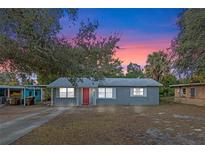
(142, 31)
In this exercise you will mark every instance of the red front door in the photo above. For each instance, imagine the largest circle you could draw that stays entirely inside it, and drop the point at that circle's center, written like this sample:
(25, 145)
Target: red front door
(85, 96)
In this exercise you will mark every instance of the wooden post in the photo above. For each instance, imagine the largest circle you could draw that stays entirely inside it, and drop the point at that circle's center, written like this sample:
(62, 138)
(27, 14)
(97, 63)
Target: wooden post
(24, 96)
(51, 96)
(34, 95)
(41, 94)
(94, 95)
(77, 95)
(8, 94)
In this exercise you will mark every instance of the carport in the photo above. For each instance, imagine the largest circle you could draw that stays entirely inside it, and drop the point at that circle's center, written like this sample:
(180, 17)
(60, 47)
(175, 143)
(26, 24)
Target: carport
(21, 94)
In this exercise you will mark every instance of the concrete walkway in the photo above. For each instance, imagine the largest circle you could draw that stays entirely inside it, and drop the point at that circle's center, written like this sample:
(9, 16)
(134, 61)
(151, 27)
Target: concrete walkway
(16, 128)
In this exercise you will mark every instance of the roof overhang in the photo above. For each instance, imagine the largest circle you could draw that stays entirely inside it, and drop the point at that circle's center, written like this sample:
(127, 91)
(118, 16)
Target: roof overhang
(22, 87)
(187, 85)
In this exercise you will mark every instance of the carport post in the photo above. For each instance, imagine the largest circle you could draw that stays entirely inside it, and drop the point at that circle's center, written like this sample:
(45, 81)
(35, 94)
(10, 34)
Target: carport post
(8, 94)
(41, 94)
(24, 96)
(51, 96)
(34, 93)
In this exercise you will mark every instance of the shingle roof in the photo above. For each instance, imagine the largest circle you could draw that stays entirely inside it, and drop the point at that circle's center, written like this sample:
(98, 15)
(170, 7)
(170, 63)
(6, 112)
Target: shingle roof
(123, 82)
(64, 82)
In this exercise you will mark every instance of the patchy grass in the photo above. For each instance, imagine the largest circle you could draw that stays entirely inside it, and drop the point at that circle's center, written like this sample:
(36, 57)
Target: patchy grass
(9, 112)
(163, 124)
(167, 100)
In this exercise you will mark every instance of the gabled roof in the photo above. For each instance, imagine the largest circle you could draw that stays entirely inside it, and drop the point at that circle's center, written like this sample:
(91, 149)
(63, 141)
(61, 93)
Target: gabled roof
(109, 82)
(64, 82)
(188, 84)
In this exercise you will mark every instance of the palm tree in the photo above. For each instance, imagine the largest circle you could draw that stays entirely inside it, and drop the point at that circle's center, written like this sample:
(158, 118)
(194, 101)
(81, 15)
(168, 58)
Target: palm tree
(157, 65)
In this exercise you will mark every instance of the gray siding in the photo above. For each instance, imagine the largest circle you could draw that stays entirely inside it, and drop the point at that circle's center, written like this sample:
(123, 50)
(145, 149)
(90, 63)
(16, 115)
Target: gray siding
(63, 101)
(123, 97)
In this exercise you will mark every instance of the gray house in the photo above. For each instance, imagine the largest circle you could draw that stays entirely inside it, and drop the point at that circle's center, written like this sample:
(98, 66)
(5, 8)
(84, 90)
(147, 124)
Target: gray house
(126, 91)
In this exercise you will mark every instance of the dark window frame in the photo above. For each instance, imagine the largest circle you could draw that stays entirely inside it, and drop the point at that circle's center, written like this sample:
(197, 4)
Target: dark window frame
(191, 94)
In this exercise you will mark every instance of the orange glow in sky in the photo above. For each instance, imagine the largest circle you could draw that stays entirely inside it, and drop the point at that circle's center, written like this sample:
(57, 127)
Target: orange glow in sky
(137, 53)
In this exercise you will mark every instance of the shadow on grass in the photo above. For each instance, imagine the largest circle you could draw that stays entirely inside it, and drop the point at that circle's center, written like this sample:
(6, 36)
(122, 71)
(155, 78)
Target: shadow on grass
(167, 100)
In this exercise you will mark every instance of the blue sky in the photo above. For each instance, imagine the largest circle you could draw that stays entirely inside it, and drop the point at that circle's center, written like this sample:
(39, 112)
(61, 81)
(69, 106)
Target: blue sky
(142, 30)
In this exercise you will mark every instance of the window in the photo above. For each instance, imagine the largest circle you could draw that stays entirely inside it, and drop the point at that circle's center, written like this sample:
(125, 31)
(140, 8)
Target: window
(138, 91)
(184, 91)
(62, 92)
(106, 93)
(193, 92)
(70, 92)
(101, 92)
(109, 93)
(66, 92)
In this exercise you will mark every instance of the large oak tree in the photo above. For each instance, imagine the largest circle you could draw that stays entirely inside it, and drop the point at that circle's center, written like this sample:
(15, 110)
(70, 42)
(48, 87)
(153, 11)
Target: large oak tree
(189, 46)
(29, 44)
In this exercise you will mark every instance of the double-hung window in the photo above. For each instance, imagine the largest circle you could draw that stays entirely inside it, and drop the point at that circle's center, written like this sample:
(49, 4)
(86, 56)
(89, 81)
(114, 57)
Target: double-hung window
(106, 92)
(138, 92)
(66, 92)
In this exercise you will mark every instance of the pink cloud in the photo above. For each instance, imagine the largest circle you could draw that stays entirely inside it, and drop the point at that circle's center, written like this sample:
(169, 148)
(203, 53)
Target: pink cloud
(138, 52)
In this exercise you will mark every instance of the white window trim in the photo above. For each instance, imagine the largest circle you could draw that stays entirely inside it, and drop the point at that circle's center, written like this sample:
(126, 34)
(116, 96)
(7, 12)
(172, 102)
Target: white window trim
(113, 93)
(144, 92)
(67, 96)
(60, 93)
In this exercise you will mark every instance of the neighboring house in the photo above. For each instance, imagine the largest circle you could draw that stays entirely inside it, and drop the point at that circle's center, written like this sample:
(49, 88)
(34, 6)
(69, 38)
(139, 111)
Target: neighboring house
(193, 93)
(133, 91)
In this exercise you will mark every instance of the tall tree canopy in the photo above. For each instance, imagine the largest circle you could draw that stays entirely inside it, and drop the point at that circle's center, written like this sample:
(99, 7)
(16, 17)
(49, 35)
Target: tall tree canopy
(134, 71)
(157, 65)
(29, 43)
(28, 38)
(189, 46)
(98, 52)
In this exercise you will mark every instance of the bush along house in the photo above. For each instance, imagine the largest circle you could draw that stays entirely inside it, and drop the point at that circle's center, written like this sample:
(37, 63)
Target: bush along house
(126, 91)
(192, 93)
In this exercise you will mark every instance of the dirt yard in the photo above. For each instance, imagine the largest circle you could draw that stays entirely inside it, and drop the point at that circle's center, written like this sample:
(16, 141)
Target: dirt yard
(164, 124)
(16, 121)
(12, 112)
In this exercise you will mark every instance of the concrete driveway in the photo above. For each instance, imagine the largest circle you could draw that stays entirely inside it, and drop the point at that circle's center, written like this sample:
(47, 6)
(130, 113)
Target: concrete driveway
(16, 121)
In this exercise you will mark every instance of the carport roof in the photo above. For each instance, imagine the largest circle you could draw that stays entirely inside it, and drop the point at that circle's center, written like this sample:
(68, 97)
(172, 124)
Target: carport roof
(110, 82)
(12, 87)
(22, 86)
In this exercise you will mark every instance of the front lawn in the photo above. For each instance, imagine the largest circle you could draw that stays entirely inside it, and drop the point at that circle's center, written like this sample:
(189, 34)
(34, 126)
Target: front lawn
(163, 124)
